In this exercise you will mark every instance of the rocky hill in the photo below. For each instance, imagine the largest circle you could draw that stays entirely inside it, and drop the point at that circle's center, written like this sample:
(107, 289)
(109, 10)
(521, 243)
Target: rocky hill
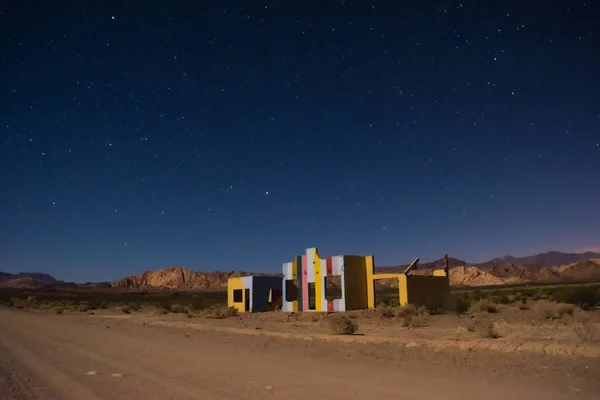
(500, 271)
(178, 278)
(25, 280)
(547, 259)
(510, 274)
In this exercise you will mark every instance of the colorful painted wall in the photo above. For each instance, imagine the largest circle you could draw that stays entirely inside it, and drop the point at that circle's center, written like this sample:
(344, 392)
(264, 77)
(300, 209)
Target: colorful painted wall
(333, 284)
(312, 283)
(252, 293)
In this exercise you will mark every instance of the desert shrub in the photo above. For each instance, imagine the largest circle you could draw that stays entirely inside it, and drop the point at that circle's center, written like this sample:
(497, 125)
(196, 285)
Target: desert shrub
(83, 308)
(548, 310)
(59, 310)
(178, 309)
(458, 305)
(415, 321)
(436, 307)
(486, 306)
(585, 297)
(389, 301)
(414, 317)
(408, 309)
(504, 299)
(587, 333)
(385, 312)
(341, 325)
(126, 309)
(190, 315)
(565, 309)
(477, 295)
(221, 312)
(134, 306)
(545, 310)
(483, 327)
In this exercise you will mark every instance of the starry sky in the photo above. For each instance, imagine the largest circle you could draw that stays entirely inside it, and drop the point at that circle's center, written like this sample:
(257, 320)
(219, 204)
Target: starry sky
(233, 135)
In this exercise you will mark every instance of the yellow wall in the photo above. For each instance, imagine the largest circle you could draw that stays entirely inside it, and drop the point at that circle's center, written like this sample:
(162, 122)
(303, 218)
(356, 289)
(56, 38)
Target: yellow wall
(414, 289)
(356, 282)
(319, 281)
(233, 284)
(295, 278)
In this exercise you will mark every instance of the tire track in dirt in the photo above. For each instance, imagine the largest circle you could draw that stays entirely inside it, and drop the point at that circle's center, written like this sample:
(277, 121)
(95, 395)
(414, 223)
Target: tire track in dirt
(129, 367)
(70, 389)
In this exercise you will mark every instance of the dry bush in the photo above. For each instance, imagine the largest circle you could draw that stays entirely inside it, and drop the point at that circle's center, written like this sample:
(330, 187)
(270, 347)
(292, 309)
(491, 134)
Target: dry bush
(341, 325)
(415, 317)
(484, 327)
(221, 312)
(385, 312)
(460, 305)
(408, 309)
(179, 309)
(521, 306)
(485, 305)
(587, 333)
(548, 310)
(415, 321)
(126, 309)
(565, 309)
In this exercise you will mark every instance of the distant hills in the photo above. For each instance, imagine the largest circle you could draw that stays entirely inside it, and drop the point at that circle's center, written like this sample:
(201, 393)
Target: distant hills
(545, 267)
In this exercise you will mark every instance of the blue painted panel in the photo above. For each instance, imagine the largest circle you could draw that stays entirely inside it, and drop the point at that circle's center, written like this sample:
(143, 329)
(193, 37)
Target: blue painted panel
(261, 286)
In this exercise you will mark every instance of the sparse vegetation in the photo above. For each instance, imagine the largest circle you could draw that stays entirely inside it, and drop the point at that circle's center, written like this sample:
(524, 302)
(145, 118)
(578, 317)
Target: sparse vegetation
(458, 305)
(221, 312)
(408, 309)
(484, 327)
(547, 310)
(385, 312)
(486, 306)
(587, 333)
(414, 317)
(415, 321)
(342, 325)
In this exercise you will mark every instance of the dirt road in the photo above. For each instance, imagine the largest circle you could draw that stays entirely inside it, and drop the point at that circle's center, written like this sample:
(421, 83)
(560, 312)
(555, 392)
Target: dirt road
(50, 357)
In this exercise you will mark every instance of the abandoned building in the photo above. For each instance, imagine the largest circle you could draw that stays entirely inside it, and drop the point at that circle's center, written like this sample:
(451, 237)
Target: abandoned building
(253, 293)
(333, 284)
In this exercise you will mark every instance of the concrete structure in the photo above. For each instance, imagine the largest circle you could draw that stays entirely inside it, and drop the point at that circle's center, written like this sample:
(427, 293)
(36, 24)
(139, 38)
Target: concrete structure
(340, 283)
(311, 283)
(253, 293)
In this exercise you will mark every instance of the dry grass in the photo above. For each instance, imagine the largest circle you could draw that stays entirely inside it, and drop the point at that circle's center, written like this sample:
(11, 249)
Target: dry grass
(414, 317)
(406, 310)
(341, 325)
(484, 327)
(587, 333)
(415, 321)
(486, 306)
(385, 312)
(548, 310)
(221, 312)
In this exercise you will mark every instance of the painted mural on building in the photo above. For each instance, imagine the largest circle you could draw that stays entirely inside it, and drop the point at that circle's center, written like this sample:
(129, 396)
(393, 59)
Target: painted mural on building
(332, 284)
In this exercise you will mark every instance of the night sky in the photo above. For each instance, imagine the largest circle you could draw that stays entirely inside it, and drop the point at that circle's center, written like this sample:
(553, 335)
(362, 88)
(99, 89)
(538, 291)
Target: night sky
(232, 136)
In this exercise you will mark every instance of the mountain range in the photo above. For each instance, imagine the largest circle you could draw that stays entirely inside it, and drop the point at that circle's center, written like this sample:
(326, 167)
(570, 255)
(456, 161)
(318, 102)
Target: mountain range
(545, 267)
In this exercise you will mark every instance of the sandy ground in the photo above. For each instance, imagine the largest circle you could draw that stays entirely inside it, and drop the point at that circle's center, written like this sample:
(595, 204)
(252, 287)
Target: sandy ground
(78, 356)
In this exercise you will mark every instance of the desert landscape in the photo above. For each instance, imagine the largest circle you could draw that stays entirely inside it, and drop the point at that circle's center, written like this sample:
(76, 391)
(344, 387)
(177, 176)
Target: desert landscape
(510, 328)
